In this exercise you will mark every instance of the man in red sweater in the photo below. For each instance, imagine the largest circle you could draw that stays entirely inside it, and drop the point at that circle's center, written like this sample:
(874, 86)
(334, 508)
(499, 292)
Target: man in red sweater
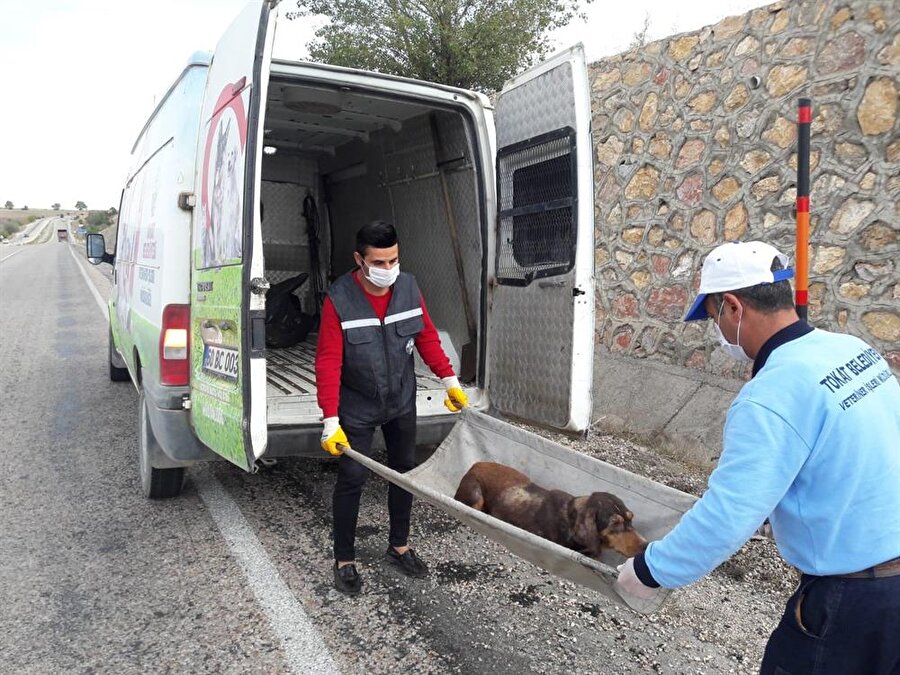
(372, 319)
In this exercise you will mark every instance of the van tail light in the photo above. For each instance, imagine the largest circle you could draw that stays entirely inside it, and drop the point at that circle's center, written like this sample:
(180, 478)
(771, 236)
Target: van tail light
(174, 345)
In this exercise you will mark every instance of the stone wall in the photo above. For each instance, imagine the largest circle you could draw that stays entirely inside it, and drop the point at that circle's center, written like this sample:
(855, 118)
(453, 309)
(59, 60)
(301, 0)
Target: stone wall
(695, 141)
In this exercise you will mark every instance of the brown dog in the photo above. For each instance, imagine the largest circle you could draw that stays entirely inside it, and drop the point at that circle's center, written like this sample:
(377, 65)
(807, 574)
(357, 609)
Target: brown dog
(586, 524)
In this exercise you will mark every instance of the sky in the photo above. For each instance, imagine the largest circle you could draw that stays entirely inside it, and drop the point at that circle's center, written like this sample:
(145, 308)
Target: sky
(80, 77)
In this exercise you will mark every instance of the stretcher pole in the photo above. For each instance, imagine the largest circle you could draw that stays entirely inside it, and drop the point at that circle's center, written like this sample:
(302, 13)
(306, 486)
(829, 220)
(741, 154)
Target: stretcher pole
(804, 118)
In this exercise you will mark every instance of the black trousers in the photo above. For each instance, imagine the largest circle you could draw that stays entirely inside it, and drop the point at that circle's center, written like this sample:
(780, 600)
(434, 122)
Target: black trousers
(846, 626)
(400, 439)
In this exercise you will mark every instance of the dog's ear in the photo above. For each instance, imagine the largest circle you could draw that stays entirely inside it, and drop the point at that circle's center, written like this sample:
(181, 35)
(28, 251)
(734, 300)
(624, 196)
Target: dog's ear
(583, 516)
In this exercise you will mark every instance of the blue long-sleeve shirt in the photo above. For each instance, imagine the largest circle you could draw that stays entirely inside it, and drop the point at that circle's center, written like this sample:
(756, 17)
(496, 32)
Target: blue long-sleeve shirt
(813, 443)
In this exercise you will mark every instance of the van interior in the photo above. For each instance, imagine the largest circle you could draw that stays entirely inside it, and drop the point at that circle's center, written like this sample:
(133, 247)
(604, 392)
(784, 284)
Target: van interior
(335, 159)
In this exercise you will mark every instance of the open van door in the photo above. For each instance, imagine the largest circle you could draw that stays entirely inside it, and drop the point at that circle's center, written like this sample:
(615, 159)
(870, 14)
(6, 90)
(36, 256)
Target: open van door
(541, 326)
(228, 364)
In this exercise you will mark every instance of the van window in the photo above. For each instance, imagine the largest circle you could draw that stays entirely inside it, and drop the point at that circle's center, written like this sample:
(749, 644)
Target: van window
(537, 196)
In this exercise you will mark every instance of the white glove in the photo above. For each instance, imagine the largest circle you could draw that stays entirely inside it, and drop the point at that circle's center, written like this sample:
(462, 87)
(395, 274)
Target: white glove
(629, 583)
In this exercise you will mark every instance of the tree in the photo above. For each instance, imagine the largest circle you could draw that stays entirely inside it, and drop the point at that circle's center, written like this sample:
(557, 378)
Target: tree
(55, 207)
(474, 44)
(639, 38)
(9, 205)
(25, 208)
(97, 220)
(81, 206)
(112, 211)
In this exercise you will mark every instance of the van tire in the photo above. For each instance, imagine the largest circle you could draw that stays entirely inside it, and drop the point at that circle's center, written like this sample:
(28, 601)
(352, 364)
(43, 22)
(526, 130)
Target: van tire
(116, 374)
(155, 483)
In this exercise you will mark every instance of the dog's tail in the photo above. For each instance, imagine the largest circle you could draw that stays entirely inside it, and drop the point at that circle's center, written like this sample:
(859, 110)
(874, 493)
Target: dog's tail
(469, 492)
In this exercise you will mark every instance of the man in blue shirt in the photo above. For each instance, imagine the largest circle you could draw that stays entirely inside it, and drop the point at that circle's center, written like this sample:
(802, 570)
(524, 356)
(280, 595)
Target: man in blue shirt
(812, 442)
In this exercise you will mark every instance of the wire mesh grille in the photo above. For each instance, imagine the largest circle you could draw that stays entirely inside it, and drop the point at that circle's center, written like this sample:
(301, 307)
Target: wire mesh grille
(537, 193)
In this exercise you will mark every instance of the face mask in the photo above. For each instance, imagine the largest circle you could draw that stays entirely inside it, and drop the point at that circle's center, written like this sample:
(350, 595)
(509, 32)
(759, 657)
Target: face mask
(735, 351)
(382, 278)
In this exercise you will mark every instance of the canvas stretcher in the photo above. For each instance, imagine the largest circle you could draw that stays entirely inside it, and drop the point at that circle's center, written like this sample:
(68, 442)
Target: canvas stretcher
(478, 437)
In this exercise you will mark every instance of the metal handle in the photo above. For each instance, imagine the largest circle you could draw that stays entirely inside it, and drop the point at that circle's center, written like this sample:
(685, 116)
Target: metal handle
(259, 286)
(552, 284)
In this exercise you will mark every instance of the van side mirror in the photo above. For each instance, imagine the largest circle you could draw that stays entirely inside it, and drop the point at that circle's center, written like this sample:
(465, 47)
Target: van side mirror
(96, 250)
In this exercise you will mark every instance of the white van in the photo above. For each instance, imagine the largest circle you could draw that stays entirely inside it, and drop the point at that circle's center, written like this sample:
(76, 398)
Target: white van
(252, 171)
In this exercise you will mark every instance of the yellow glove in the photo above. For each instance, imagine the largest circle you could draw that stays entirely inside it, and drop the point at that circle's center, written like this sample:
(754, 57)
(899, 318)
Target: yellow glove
(333, 437)
(456, 398)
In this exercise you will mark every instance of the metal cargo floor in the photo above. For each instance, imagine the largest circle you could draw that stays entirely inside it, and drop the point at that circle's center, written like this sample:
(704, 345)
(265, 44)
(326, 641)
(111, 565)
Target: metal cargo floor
(291, 384)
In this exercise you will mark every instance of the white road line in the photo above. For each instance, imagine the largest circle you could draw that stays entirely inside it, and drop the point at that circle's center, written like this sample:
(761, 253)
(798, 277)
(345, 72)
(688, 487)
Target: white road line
(11, 255)
(90, 285)
(303, 647)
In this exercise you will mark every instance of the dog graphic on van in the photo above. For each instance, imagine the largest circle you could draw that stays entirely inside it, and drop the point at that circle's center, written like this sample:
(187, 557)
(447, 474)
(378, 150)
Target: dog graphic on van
(222, 235)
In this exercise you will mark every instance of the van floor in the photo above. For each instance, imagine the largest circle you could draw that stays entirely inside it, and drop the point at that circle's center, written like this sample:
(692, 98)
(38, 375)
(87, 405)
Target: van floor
(291, 383)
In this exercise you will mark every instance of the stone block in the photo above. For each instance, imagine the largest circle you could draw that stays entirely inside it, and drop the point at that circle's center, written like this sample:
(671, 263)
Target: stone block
(690, 153)
(636, 73)
(783, 79)
(782, 133)
(883, 325)
(691, 189)
(850, 215)
(877, 113)
(624, 120)
(755, 160)
(609, 151)
(878, 237)
(644, 183)
(781, 21)
(633, 235)
(736, 222)
(746, 46)
(761, 189)
(845, 52)
(872, 271)
(668, 302)
(828, 258)
(737, 98)
(854, 290)
(703, 103)
(641, 279)
(703, 227)
(726, 189)
(649, 112)
(681, 48)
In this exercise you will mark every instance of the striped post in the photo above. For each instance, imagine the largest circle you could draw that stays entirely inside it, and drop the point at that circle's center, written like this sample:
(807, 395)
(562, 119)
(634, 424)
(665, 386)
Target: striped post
(804, 118)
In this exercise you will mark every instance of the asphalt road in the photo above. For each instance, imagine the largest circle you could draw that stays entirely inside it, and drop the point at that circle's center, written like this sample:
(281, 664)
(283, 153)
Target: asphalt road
(234, 575)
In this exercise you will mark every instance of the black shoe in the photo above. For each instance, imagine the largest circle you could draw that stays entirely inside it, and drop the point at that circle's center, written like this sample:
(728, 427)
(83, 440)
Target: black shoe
(346, 579)
(408, 563)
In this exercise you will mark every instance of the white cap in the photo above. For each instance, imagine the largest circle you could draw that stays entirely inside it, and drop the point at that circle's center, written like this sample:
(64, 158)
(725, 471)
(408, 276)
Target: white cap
(736, 265)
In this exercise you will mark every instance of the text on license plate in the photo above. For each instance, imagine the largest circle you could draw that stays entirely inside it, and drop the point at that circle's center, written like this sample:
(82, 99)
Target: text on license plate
(221, 361)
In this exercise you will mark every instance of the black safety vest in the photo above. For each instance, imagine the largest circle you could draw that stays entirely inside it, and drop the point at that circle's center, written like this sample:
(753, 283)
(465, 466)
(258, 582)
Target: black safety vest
(378, 379)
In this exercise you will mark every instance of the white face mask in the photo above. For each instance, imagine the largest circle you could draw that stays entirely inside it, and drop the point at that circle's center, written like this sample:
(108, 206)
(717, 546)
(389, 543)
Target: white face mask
(381, 278)
(735, 351)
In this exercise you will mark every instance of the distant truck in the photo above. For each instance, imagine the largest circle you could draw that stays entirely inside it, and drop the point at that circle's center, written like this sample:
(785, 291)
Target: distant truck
(62, 234)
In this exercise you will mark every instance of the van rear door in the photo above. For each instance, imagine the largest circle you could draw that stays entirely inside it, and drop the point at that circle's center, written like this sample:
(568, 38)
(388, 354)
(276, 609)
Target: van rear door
(228, 365)
(541, 325)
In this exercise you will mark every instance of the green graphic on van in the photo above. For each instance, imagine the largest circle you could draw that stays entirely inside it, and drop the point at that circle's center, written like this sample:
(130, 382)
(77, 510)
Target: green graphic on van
(216, 378)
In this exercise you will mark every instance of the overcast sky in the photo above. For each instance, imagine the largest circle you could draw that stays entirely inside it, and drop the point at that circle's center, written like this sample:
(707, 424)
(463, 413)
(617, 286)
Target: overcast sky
(80, 77)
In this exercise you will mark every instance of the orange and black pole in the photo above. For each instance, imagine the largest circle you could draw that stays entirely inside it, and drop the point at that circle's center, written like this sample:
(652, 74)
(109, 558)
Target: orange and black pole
(804, 118)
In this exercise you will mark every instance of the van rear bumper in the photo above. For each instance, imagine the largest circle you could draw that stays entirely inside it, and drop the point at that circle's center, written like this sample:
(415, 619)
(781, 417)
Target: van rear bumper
(171, 425)
(304, 441)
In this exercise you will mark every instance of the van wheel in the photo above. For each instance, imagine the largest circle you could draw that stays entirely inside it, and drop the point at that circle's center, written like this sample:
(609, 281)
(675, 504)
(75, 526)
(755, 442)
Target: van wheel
(155, 483)
(116, 374)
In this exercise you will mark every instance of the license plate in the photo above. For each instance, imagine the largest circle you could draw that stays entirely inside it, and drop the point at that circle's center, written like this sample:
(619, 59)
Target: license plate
(221, 361)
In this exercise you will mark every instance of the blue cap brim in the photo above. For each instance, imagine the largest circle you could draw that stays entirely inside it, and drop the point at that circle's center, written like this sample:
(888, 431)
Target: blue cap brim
(698, 311)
